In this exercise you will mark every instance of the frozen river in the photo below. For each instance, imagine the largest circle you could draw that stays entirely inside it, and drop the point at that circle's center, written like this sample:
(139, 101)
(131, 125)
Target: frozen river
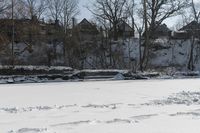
(152, 106)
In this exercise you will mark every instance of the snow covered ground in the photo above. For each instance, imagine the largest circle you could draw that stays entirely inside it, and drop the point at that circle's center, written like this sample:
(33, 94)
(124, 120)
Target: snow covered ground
(152, 106)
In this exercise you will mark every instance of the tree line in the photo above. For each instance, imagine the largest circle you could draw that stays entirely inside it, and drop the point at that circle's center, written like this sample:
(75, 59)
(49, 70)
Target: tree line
(62, 10)
(144, 16)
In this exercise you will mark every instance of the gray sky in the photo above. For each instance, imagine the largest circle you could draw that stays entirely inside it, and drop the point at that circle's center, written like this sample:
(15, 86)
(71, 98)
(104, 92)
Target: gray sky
(84, 13)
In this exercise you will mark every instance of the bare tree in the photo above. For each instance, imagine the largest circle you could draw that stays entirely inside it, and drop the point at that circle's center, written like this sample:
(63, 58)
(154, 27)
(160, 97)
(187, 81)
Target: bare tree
(110, 10)
(195, 11)
(145, 56)
(19, 10)
(4, 5)
(193, 16)
(69, 10)
(62, 12)
(160, 10)
(131, 11)
(33, 7)
(155, 12)
(139, 17)
(55, 8)
(109, 13)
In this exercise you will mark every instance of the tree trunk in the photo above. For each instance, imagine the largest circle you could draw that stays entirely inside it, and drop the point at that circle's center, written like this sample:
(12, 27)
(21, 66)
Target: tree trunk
(146, 43)
(191, 59)
(140, 50)
(115, 34)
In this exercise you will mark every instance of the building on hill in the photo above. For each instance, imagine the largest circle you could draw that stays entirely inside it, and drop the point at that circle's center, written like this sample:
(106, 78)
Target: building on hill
(86, 30)
(84, 35)
(162, 31)
(187, 31)
(124, 30)
(28, 30)
(31, 35)
(180, 35)
(192, 29)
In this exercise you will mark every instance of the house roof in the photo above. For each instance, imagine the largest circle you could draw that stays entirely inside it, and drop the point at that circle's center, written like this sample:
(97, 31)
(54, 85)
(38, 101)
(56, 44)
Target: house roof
(84, 21)
(122, 24)
(162, 27)
(194, 25)
(85, 25)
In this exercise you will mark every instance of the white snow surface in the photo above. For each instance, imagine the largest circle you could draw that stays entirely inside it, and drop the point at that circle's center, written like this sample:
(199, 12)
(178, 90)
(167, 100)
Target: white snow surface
(152, 106)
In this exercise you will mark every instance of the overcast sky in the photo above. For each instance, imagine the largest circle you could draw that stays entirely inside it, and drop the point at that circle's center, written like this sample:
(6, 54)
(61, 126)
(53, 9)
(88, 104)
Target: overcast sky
(84, 13)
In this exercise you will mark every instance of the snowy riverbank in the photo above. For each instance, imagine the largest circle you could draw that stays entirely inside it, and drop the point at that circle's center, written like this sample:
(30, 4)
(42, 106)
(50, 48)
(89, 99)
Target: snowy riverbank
(38, 74)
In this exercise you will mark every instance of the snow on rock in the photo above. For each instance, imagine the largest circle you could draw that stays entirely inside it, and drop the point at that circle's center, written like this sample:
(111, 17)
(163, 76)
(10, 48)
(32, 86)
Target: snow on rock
(119, 76)
(36, 67)
(34, 70)
(101, 74)
(63, 74)
(10, 80)
(190, 73)
(105, 71)
(96, 75)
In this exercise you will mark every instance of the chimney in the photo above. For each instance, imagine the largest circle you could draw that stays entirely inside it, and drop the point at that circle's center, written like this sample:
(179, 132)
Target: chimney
(73, 22)
(57, 22)
(34, 18)
(133, 27)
